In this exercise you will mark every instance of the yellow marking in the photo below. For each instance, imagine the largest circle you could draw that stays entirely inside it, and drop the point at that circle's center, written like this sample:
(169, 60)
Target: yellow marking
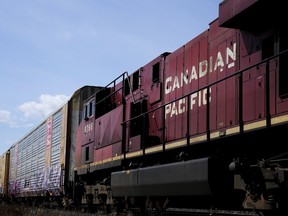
(279, 119)
(134, 154)
(80, 167)
(119, 157)
(215, 135)
(176, 144)
(198, 139)
(107, 160)
(154, 149)
(96, 163)
(254, 125)
(233, 130)
(226, 132)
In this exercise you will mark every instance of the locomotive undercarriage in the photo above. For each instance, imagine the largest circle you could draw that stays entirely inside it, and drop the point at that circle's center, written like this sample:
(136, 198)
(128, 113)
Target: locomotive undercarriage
(264, 184)
(254, 178)
(256, 187)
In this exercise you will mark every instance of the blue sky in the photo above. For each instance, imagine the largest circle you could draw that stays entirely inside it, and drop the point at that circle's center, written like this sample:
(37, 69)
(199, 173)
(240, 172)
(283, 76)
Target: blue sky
(50, 48)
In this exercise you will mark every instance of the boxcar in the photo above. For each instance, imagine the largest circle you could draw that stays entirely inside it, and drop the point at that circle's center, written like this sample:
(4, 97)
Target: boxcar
(41, 162)
(4, 174)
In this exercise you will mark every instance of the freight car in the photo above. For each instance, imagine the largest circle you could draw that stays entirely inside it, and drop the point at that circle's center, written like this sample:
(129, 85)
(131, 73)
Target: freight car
(4, 175)
(40, 163)
(202, 127)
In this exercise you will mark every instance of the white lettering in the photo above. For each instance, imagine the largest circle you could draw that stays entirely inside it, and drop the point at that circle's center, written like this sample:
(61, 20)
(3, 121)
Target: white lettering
(184, 78)
(88, 128)
(193, 74)
(219, 62)
(167, 109)
(167, 87)
(174, 110)
(232, 55)
(193, 100)
(179, 107)
(177, 82)
(203, 65)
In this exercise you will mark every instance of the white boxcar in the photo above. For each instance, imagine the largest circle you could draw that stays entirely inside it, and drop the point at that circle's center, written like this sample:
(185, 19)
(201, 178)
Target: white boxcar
(43, 160)
(36, 160)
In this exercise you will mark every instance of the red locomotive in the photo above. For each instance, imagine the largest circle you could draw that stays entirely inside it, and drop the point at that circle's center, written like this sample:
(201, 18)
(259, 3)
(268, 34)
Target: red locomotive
(203, 127)
(194, 127)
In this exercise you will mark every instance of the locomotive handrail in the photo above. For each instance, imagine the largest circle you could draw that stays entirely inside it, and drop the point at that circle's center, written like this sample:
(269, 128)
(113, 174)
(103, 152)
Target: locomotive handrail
(130, 88)
(240, 72)
(113, 82)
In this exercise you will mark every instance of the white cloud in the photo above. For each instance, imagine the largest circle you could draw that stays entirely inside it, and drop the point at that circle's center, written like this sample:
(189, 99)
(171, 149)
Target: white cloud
(34, 111)
(42, 108)
(5, 117)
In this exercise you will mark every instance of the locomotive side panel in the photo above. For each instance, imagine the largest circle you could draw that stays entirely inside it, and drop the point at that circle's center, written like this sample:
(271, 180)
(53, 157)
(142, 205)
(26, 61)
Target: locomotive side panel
(180, 77)
(88, 130)
(108, 128)
(82, 127)
(75, 115)
(223, 60)
(251, 82)
(202, 98)
(208, 58)
(256, 48)
(194, 46)
(108, 131)
(172, 82)
(179, 126)
(146, 95)
(152, 85)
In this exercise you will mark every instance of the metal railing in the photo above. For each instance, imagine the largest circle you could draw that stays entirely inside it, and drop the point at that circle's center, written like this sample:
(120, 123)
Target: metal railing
(208, 110)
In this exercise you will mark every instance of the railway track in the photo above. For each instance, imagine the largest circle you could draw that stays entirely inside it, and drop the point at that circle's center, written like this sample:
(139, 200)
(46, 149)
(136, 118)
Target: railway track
(26, 210)
(202, 212)
(218, 212)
